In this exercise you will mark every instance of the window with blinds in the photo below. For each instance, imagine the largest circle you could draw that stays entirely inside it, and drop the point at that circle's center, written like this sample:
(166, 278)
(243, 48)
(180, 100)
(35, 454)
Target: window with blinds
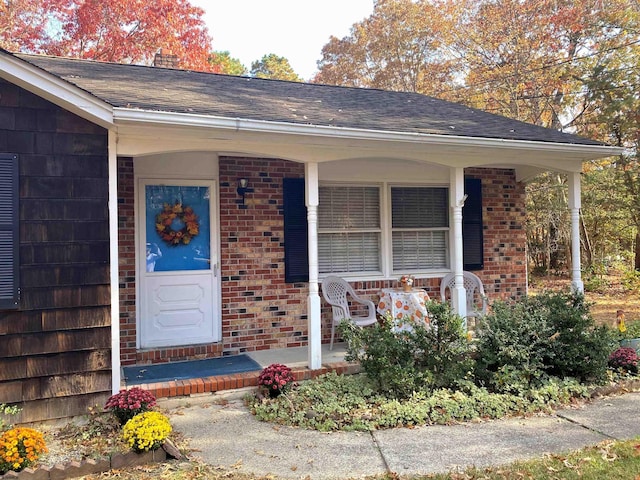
(349, 233)
(351, 239)
(419, 228)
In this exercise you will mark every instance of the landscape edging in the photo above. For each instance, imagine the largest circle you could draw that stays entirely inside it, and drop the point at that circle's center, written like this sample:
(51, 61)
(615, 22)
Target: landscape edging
(88, 466)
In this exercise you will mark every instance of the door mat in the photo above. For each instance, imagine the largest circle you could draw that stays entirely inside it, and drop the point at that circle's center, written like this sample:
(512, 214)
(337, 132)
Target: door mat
(208, 367)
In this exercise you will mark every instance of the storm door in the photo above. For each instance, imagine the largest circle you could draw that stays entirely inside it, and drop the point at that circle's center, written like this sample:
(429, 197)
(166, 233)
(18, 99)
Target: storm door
(179, 300)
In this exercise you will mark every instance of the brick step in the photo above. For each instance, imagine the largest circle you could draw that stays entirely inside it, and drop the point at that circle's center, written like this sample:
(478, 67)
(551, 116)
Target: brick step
(192, 386)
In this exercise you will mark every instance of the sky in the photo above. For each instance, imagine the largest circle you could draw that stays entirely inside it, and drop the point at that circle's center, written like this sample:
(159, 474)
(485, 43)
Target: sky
(294, 29)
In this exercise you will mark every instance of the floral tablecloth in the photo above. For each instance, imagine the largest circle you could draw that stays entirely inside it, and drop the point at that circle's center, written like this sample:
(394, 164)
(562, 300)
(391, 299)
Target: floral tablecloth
(401, 304)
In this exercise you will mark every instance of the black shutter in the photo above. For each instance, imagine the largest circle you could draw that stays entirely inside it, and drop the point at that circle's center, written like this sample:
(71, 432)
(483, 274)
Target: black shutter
(296, 234)
(9, 232)
(472, 241)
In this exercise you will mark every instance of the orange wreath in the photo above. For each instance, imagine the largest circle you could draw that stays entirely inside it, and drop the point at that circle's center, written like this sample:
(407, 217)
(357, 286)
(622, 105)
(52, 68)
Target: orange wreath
(186, 215)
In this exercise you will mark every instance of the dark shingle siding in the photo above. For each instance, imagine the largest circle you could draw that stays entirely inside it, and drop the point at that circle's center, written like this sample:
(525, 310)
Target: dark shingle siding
(182, 91)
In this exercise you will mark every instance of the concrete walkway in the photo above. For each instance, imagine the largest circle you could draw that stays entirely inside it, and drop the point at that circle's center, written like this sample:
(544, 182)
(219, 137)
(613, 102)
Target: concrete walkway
(227, 435)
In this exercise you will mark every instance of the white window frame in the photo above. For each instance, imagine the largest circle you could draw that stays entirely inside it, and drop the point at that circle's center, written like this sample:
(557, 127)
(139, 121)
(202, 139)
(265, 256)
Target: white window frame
(386, 231)
(378, 230)
(390, 230)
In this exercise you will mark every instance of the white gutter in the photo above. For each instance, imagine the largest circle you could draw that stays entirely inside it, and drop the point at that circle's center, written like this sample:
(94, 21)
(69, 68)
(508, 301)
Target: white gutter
(55, 90)
(137, 116)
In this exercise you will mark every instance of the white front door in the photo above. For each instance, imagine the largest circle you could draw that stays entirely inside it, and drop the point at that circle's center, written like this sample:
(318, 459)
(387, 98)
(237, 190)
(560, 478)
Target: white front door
(179, 299)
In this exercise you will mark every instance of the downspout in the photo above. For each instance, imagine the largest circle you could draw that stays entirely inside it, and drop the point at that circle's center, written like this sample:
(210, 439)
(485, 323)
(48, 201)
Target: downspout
(113, 260)
(313, 302)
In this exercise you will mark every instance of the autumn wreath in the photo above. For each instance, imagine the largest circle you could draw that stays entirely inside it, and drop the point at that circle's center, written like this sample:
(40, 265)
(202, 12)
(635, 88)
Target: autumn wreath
(186, 217)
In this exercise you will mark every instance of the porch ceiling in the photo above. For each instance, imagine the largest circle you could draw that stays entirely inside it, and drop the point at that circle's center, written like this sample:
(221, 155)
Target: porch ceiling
(145, 133)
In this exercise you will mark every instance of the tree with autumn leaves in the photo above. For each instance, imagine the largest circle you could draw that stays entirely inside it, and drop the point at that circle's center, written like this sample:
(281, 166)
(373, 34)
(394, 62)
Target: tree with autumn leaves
(129, 31)
(274, 67)
(572, 65)
(401, 46)
(125, 31)
(525, 59)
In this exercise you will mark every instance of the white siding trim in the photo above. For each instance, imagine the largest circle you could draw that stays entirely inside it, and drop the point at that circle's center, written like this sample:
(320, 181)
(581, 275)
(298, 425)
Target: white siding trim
(56, 90)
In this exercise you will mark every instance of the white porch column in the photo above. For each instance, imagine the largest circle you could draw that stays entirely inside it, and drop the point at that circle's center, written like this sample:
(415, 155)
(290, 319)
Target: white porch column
(313, 302)
(114, 263)
(457, 198)
(574, 206)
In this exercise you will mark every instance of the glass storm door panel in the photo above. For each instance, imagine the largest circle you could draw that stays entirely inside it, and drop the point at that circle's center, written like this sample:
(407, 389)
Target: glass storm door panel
(178, 304)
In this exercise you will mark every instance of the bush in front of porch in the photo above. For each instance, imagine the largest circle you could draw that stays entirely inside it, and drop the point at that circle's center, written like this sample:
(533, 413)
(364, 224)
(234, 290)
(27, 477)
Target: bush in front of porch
(410, 356)
(528, 356)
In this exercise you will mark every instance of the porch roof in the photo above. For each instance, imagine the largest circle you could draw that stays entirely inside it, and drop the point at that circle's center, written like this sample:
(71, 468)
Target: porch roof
(198, 93)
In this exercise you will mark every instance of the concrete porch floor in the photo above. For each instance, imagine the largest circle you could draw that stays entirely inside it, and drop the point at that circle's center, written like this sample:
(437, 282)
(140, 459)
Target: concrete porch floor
(295, 358)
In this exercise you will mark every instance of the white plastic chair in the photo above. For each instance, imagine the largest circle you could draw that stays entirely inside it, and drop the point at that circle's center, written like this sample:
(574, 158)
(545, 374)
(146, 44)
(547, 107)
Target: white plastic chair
(476, 299)
(334, 291)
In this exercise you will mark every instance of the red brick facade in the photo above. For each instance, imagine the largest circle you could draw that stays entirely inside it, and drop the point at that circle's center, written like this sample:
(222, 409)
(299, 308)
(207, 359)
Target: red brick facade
(127, 259)
(503, 209)
(259, 310)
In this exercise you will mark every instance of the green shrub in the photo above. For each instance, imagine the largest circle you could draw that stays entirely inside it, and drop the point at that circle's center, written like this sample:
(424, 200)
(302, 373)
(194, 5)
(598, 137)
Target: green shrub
(348, 402)
(420, 358)
(521, 344)
(581, 349)
(594, 278)
(631, 280)
(596, 284)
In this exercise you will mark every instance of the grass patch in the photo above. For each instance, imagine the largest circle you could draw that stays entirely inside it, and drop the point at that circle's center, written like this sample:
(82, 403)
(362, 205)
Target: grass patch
(610, 459)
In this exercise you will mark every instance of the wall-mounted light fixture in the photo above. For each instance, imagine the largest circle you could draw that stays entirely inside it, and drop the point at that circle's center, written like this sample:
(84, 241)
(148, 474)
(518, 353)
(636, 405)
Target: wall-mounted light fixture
(243, 187)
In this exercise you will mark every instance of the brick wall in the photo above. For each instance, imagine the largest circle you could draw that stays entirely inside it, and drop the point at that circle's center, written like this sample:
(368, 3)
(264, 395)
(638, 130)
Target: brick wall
(503, 204)
(127, 259)
(259, 310)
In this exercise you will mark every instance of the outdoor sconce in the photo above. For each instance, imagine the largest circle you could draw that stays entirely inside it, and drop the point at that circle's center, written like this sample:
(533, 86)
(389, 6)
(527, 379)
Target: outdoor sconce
(243, 187)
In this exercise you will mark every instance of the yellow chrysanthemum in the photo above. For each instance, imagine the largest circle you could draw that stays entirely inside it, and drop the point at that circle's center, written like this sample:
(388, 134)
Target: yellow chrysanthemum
(146, 431)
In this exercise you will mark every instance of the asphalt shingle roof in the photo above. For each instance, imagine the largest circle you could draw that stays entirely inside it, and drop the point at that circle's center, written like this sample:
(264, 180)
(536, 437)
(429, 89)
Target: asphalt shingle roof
(183, 91)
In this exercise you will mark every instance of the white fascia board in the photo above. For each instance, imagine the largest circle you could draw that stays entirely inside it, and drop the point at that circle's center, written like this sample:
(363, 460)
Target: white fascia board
(126, 115)
(55, 90)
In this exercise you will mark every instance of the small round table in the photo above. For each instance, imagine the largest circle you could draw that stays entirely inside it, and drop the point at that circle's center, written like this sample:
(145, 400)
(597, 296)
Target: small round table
(401, 304)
